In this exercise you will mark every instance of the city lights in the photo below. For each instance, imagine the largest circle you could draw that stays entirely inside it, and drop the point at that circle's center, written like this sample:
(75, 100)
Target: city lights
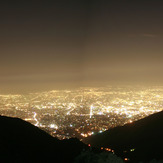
(85, 111)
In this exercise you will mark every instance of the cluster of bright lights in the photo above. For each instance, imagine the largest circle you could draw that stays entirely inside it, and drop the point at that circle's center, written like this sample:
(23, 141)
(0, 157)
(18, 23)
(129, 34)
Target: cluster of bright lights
(53, 126)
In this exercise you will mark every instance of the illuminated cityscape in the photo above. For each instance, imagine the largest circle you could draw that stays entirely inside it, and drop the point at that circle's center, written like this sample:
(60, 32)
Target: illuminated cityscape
(82, 79)
(84, 111)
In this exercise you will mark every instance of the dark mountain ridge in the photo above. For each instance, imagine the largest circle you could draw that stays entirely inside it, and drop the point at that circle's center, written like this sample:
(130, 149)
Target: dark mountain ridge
(20, 141)
(144, 136)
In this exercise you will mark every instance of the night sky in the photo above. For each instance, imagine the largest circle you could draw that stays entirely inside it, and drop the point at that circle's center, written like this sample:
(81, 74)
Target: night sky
(72, 43)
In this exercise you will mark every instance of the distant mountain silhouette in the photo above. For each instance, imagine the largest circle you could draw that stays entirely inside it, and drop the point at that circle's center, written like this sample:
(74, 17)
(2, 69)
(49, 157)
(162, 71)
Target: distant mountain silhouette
(22, 142)
(145, 136)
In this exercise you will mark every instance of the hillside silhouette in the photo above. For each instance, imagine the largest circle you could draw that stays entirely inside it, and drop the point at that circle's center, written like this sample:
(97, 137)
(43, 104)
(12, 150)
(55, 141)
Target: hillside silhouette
(20, 141)
(140, 141)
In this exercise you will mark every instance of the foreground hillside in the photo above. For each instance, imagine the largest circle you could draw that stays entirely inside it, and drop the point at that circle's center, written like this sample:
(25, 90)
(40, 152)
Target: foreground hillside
(22, 142)
(140, 140)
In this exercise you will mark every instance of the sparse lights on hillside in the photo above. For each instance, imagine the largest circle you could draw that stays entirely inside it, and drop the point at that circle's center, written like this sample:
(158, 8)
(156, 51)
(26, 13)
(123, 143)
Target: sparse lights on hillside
(126, 159)
(108, 149)
(132, 150)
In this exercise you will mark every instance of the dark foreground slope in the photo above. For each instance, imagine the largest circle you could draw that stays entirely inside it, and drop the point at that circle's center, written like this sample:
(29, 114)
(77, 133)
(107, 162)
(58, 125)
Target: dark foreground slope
(145, 136)
(22, 142)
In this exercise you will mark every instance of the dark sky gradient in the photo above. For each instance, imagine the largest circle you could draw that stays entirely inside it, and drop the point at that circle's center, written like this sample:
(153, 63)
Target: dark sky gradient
(62, 44)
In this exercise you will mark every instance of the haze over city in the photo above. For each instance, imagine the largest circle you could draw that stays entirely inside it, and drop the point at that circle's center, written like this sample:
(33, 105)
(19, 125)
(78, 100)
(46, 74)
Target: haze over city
(68, 44)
